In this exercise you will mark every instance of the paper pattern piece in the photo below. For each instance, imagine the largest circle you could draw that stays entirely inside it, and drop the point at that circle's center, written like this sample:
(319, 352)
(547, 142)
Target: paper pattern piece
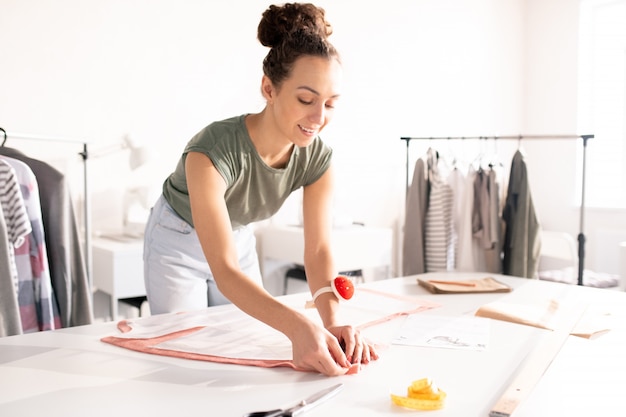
(596, 320)
(227, 335)
(468, 286)
(539, 314)
(464, 333)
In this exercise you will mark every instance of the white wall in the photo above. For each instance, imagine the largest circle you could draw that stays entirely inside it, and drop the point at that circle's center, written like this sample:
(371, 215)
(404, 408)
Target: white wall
(161, 70)
(551, 102)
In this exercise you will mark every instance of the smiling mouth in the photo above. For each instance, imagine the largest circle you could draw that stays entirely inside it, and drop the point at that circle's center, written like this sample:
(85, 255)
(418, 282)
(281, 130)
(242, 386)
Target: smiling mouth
(306, 130)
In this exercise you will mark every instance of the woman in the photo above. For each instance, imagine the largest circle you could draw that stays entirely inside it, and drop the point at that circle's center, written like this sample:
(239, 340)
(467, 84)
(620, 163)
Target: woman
(199, 249)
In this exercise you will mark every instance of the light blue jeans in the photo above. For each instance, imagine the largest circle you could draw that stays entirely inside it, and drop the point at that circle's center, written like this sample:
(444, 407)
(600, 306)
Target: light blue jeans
(176, 272)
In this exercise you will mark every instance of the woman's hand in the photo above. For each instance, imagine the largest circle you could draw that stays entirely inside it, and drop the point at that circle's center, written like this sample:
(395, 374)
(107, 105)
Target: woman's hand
(315, 348)
(330, 352)
(355, 347)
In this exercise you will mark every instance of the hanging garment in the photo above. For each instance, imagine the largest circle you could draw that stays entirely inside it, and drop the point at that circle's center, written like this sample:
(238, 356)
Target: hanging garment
(415, 217)
(38, 306)
(16, 228)
(10, 323)
(438, 226)
(465, 258)
(522, 243)
(486, 221)
(15, 215)
(456, 181)
(480, 216)
(480, 212)
(493, 255)
(68, 270)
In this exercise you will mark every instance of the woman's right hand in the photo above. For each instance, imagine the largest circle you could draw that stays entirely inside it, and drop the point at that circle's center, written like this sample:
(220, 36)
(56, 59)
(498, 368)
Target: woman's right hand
(316, 349)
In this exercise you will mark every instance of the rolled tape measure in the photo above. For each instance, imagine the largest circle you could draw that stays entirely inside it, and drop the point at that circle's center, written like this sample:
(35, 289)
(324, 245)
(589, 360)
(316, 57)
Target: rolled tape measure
(422, 394)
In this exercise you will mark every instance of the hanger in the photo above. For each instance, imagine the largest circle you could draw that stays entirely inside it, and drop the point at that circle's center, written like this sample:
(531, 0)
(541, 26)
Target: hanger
(494, 159)
(520, 146)
(449, 158)
(477, 163)
(4, 132)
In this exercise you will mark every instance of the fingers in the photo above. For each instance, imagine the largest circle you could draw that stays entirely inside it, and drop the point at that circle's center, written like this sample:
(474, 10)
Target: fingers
(325, 362)
(336, 351)
(332, 365)
(353, 346)
(356, 348)
(372, 351)
(321, 353)
(330, 368)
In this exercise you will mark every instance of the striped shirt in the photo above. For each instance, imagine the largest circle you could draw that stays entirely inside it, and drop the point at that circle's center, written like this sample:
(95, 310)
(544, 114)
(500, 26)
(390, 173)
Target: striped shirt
(13, 210)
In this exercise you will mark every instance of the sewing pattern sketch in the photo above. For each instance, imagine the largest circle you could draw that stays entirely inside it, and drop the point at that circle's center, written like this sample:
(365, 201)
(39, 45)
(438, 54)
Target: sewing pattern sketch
(467, 332)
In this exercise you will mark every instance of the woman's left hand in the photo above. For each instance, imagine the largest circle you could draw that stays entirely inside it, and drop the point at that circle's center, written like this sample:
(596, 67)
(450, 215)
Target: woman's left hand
(355, 347)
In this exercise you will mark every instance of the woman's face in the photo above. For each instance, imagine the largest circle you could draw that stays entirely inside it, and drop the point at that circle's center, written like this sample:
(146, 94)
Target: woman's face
(305, 102)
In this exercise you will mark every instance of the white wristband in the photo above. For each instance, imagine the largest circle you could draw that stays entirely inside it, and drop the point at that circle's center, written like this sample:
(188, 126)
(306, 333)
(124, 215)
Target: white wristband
(311, 303)
(321, 291)
(344, 292)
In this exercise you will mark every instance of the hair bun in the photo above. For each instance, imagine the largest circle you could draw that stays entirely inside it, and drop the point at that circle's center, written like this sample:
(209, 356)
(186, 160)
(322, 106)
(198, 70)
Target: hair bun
(280, 22)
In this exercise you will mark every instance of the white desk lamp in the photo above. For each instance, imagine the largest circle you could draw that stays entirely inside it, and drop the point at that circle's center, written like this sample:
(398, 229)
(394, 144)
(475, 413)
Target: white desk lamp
(136, 199)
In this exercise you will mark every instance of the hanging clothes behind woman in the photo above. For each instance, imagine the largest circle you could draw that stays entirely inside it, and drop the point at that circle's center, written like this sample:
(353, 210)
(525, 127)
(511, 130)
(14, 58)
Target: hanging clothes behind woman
(414, 219)
(522, 244)
(68, 270)
(439, 246)
(15, 228)
(486, 221)
(36, 299)
(459, 215)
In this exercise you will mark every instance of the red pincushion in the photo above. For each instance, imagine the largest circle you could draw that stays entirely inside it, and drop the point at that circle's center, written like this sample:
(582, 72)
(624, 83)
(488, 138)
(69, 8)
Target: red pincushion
(343, 287)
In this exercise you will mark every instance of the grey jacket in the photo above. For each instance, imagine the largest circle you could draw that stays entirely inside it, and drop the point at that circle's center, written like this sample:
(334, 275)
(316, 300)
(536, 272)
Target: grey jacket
(522, 243)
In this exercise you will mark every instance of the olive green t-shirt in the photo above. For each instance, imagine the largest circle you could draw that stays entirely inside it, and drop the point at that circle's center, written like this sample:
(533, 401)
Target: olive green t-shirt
(255, 191)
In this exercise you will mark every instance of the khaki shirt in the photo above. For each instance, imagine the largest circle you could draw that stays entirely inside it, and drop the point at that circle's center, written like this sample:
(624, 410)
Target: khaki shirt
(255, 191)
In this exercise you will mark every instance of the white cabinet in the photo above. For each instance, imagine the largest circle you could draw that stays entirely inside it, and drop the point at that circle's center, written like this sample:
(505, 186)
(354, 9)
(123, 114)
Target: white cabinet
(118, 269)
(354, 247)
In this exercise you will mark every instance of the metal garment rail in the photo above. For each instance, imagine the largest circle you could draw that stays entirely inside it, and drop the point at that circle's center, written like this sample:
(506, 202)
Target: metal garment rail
(585, 138)
(86, 208)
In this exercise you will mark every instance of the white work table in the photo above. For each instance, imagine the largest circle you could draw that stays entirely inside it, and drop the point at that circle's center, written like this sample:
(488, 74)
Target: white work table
(70, 372)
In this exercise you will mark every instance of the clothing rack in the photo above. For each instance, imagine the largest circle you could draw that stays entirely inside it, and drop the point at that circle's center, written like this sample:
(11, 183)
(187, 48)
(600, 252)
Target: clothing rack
(85, 155)
(585, 138)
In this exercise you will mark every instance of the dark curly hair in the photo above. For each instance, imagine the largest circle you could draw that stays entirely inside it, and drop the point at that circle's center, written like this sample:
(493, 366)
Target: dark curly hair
(291, 31)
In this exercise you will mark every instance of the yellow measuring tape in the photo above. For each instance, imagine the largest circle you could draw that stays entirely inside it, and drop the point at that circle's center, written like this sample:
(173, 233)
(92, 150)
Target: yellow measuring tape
(422, 394)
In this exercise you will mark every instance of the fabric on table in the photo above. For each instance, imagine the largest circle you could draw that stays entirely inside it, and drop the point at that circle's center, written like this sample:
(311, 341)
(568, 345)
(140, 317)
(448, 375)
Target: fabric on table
(225, 334)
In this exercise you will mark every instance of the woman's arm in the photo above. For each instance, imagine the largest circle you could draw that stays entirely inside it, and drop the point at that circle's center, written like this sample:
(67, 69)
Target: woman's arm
(318, 260)
(311, 343)
(320, 269)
